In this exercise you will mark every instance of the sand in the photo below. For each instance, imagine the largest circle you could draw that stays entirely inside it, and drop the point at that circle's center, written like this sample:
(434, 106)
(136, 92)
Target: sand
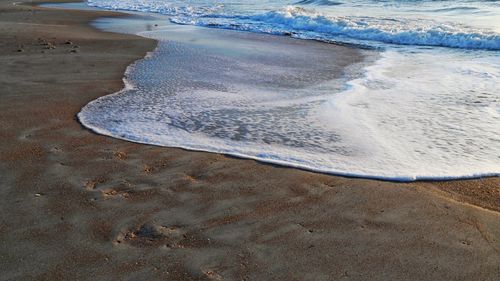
(78, 206)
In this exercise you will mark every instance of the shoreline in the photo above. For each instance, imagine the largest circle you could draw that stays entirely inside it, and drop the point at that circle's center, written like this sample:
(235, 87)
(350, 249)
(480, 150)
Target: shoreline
(77, 205)
(367, 59)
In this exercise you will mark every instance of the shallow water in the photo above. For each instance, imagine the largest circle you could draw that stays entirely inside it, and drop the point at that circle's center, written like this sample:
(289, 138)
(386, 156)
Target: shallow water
(429, 108)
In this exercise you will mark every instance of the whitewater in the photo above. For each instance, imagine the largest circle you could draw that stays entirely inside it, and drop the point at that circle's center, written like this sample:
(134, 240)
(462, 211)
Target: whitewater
(428, 106)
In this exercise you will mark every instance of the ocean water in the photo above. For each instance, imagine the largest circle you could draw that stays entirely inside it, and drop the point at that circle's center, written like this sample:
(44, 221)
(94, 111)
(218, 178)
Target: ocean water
(428, 106)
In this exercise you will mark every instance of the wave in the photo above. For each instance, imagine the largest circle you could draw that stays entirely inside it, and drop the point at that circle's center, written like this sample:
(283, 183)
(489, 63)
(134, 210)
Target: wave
(369, 129)
(387, 124)
(455, 9)
(318, 2)
(159, 7)
(307, 24)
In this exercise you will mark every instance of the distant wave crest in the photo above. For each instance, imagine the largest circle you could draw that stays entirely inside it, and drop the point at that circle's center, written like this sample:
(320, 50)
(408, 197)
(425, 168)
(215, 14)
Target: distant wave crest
(318, 2)
(308, 24)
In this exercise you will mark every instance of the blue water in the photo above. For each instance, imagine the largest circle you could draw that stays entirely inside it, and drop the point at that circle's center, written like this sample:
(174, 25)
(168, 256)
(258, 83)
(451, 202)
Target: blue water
(428, 108)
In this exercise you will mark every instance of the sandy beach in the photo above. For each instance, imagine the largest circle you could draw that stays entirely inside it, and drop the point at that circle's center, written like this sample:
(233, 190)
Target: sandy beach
(75, 205)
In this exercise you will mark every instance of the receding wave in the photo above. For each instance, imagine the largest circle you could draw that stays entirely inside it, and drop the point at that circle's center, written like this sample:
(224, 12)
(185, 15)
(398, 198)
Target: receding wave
(418, 113)
(291, 108)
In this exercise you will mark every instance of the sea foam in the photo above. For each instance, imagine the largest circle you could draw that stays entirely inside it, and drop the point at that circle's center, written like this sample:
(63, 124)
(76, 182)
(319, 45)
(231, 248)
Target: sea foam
(419, 112)
(306, 24)
(432, 26)
(241, 95)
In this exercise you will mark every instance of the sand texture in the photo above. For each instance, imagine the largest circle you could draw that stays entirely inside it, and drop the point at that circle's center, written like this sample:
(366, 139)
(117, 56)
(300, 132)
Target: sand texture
(78, 206)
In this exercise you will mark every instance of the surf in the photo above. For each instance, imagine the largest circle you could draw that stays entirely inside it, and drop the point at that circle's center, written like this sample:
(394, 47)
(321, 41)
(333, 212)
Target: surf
(422, 105)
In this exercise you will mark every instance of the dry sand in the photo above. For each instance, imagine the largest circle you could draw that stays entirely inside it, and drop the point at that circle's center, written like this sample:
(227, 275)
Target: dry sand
(78, 206)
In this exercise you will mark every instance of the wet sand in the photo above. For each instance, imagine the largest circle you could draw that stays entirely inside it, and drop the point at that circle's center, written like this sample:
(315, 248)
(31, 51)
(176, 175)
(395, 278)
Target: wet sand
(78, 206)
